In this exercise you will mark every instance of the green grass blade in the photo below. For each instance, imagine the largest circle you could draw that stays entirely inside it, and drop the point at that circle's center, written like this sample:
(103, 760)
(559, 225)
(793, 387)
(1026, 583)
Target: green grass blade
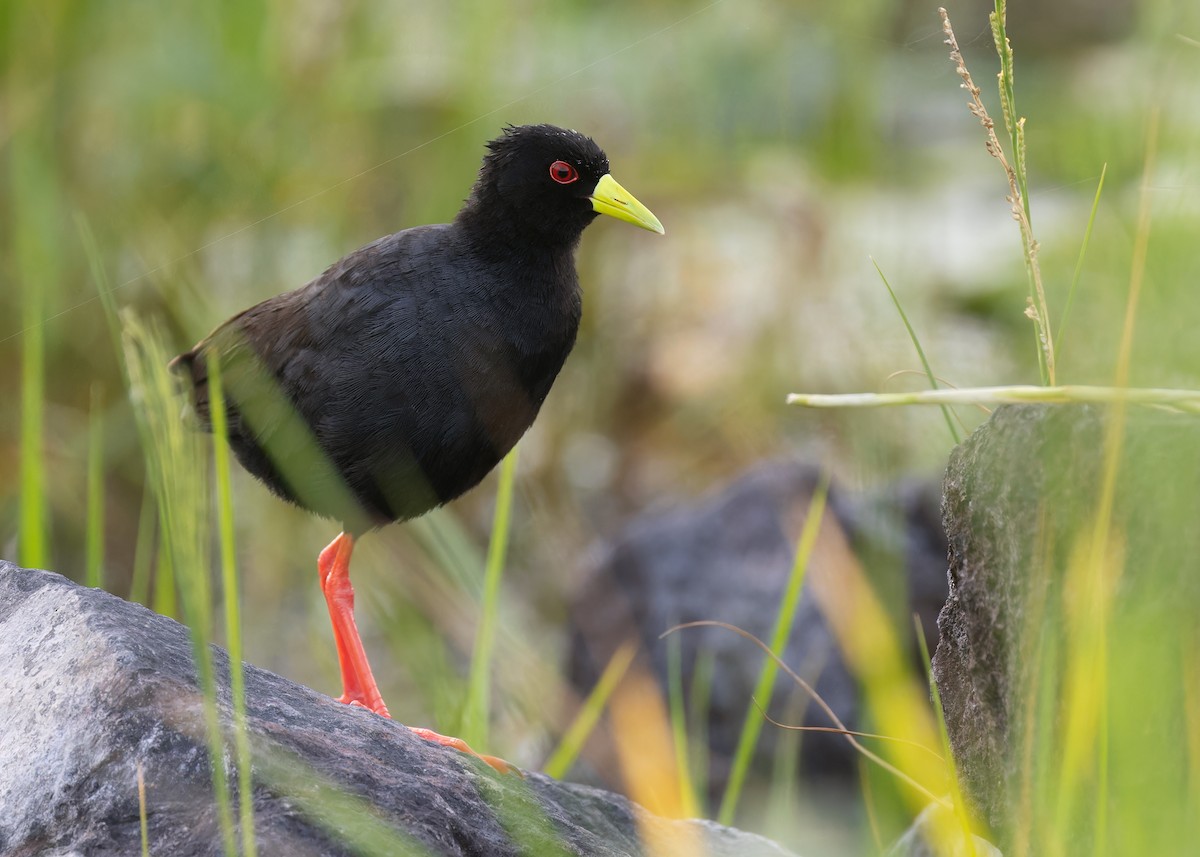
(91, 250)
(785, 765)
(700, 704)
(679, 731)
(1008, 99)
(912, 334)
(960, 808)
(143, 821)
(752, 725)
(175, 464)
(347, 818)
(33, 550)
(585, 721)
(1087, 237)
(94, 553)
(476, 710)
(34, 217)
(1180, 400)
(143, 548)
(233, 620)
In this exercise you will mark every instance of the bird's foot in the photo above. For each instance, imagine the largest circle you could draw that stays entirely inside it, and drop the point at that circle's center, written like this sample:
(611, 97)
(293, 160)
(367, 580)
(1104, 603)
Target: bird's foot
(462, 746)
(361, 702)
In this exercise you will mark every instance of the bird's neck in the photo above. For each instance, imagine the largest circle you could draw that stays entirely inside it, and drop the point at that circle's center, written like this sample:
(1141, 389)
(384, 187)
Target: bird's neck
(500, 234)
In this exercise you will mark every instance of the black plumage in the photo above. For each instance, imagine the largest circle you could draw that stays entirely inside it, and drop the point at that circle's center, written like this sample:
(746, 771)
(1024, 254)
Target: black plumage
(417, 361)
(398, 378)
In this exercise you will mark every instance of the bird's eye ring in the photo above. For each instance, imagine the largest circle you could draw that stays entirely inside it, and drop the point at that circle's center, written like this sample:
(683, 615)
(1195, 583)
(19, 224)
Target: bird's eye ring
(563, 173)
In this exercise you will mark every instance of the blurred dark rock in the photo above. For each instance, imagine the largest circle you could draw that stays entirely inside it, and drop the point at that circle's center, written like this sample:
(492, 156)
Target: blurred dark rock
(95, 688)
(1020, 496)
(728, 559)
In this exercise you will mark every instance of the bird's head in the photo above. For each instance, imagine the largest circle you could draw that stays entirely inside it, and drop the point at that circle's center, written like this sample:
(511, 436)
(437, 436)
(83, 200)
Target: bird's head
(549, 183)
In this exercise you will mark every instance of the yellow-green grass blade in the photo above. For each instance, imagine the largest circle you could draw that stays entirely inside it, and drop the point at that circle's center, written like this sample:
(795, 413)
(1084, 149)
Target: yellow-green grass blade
(175, 464)
(143, 821)
(912, 334)
(956, 795)
(1182, 400)
(476, 710)
(679, 730)
(752, 725)
(94, 551)
(34, 217)
(1087, 237)
(233, 620)
(143, 548)
(569, 748)
(700, 703)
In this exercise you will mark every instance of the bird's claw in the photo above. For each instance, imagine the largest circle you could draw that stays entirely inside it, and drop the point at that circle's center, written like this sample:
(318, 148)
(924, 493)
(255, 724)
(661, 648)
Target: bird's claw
(500, 765)
(354, 702)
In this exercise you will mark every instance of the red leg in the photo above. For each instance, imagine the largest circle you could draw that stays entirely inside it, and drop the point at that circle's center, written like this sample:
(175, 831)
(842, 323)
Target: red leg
(358, 685)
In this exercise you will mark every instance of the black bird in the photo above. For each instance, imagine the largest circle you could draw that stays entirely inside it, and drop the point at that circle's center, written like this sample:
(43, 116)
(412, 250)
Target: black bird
(401, 376)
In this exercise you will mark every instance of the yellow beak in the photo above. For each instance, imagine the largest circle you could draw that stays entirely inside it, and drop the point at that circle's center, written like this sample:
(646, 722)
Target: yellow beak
(612, 199)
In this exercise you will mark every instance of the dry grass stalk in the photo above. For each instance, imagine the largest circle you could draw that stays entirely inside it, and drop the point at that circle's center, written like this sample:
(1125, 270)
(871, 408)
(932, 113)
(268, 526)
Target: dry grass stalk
(1036, 308)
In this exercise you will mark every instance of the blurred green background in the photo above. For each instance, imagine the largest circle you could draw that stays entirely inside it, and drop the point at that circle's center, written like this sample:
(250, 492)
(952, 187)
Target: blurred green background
(222, 152)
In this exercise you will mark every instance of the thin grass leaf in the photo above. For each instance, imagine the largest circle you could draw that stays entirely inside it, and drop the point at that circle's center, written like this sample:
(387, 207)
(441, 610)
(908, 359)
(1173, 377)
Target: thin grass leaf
(175, 466)
(91, 251)
(476, 716)
(700, 703)
(348, 819)
(143, 548)
(1037, 310)
(34, 217)
(1190, 682)
(752, 725)
(785, 767)
(912, 334)
(1087, 237)
(956, 795)
(1008, 98)
(143, 822)
(233, 621)
(451, 548)
(678, 715)
(139, 586)
(824, 706)
(573, 740)
(522, 817)
(1183, 400)
(32, 548)
(164, 601)
(837, 730)
(94, 554)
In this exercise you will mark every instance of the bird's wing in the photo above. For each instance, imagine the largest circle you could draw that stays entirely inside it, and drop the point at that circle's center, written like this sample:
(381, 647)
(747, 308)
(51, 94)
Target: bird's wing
(291, 350)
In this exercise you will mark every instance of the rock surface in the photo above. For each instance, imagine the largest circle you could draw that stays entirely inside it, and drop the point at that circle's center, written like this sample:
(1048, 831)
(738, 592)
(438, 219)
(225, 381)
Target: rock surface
(93, 688)
(1020, 496)
(728, 558)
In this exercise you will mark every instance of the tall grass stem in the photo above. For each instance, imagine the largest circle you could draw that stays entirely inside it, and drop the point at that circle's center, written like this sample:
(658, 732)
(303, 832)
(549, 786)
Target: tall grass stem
(94, 543)
(233, 619)
(912, 334)
(752, 725)
(476, 713)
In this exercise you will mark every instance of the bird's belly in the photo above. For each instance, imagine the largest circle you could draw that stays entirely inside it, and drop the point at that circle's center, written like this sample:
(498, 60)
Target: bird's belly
(428, 451)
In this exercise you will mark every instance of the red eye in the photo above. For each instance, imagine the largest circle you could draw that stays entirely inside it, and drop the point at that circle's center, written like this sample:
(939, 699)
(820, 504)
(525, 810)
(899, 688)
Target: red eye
(563, 173)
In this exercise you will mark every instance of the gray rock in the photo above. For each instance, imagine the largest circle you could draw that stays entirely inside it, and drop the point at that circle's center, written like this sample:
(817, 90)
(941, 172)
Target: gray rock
(92, 688)
(1020, 494)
